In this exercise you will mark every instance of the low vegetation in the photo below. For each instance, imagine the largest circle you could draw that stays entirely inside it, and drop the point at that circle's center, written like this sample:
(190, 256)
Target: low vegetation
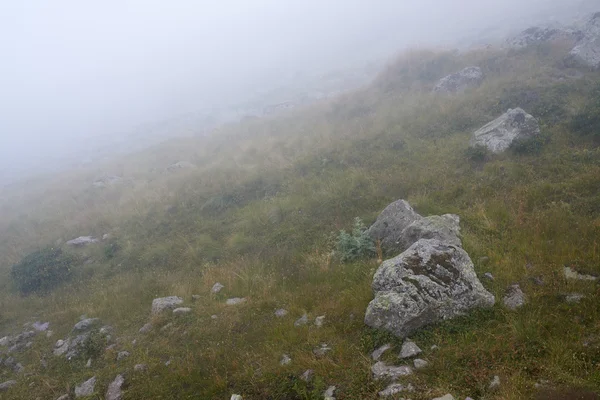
(256, 215)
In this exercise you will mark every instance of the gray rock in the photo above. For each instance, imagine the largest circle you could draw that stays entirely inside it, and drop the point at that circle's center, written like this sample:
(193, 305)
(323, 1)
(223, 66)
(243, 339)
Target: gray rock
(61, 347)
(488, 276)
(409, 349)
(319, 321)
(419, 363)
(165, 303)
(303, 320)
(89, 363)
(235, 301)
(396, 388)
(329, 393)
(460, 81)
(574, 297)
(7, 385)
(537, 35)
(86, 388)
(587, 50)
(195, 297)
(217, 287)
(146, 328)
(570, 273)
(82, 241)
(285, 360)
(445, 397)
(376, 355)
(445, 228)
(307, 375)
(236, 397)
(40, 326)
(429, 282)
(391, 223)
(49, 334)
(498, 135)
(86, 324)
(114, 389)
(140, 367)
(322, 350)
(514, 297)
(122, 355)
(182, 310)
(382, 370)
(63, 397)
(5, 341)
(495, 383)
(280, 313)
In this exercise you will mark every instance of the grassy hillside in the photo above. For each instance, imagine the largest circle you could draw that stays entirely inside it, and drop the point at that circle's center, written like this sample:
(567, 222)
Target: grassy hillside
(258, 213)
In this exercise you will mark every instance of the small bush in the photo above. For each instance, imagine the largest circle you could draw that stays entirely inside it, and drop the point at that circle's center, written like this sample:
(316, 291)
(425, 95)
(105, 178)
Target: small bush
(531, 145)
(355, 245)
(42, 270)
(477, 154)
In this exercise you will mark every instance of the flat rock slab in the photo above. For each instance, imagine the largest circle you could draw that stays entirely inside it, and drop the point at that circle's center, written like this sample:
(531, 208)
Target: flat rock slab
(429, 282)
(165, 303)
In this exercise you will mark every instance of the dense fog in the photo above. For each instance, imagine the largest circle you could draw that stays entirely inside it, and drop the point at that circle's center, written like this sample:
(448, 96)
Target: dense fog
(74, 72)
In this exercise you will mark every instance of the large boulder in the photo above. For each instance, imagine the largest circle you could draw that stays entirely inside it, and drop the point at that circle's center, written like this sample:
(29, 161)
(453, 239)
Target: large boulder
(498, 135)
(537, 35)
(445, 228)
(460, 81)
(429, 282)
(391, 223)
(587, 50)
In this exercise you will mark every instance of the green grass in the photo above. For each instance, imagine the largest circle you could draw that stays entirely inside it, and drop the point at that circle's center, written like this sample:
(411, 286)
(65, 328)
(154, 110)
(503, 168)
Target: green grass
(258, 215)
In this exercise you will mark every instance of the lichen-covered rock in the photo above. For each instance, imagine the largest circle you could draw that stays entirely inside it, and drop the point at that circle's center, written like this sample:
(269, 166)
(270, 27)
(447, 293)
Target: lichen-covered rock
(460, 81)
(498, 135)
(429, 282)
(587, 50)
(391, 223)
(165, 303)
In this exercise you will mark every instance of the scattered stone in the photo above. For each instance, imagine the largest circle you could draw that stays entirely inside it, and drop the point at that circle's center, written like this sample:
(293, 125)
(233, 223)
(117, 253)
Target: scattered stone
(409, 349)
(488, 276)
(445, 397)
(429, 282)
(7, 385)
(165, 303)
(280, 313)
(434, 347)
(106, 236)
(495, 383)
(195, 297)
(89, 363)
(381, 370)
(236, 397)
(514, 297)
(376, 355)
(390, 224)
(140, 367)
(61, 347)
(235, 301)
(587, 50)
(574, 297)
(396, 388)
(498, 135)
(63, 397)
(329, 393)
(5, 341)
(122, 354)
(322, 350)
(182, 310)
(146, 328)
(40, 326)
(303, 320)
(319, 321)
(285, 360)
(82, 241)
(542, 383)
(86, 388)
(217, 287)
(570, 273)
(307, 375)
(460, 81)
(214, 316)
(114, 389)
(86, 324)
(419, 363)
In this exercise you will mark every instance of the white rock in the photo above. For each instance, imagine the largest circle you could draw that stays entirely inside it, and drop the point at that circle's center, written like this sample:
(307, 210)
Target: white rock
(445, 397)
(303, 320)
(114, 389)
(307, 375)
(409, 349)
(381, 370)
(319, 321)
(61, 347)
(495, 383)
(40, 326)
(499, 134)
(419, 363)
(140, 367)
(280, 313)
(570, 273)
(86, 388)
(146, 328)
(5, 341)
(322, 350)
(376, 355)
(329, 393)
(236, 397)
(285, 360)
(182, 310)
(235, 301)
(574, 297)
(514, 297)
(395, 388)
(217, 287)
(165, 303)
(122, 355)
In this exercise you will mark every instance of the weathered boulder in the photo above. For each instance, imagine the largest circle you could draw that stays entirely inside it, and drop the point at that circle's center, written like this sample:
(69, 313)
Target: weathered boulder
(429, 282)
(587, 50)
(165, 303)
(498, 135)
(538, 35)
(460, 81)
(391, 223)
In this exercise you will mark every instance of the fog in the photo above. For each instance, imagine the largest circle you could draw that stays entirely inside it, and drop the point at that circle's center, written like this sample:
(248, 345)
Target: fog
(73, 71)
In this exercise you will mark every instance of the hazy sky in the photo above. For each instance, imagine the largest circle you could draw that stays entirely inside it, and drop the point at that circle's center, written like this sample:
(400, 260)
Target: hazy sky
(71, 69)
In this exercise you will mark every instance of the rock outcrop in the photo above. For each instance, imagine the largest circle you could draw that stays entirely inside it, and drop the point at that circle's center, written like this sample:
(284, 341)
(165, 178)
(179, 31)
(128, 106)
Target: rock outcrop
(460, 81)
(587, 50)
(498, 135)
(538, 35)
(429, 282)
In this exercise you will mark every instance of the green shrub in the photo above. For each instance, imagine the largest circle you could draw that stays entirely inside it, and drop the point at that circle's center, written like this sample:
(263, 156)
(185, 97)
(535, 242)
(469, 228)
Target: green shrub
(42, 270)
(355, 245)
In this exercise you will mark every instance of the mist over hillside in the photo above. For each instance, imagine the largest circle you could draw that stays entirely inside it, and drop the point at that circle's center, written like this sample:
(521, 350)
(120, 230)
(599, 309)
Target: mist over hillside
(84, 82)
